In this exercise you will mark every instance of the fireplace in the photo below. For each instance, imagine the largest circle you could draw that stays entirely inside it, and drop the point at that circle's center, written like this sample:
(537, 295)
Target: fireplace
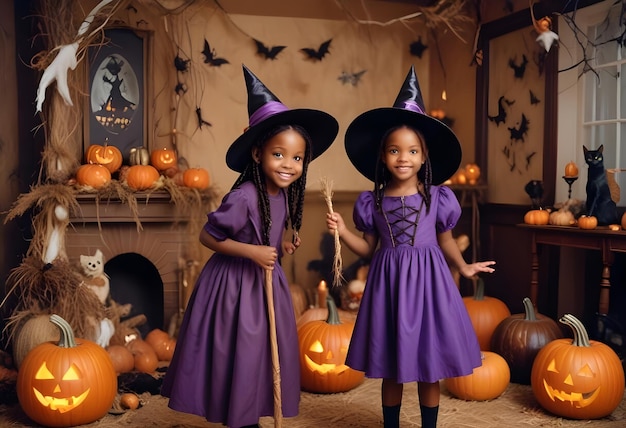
(144, 263)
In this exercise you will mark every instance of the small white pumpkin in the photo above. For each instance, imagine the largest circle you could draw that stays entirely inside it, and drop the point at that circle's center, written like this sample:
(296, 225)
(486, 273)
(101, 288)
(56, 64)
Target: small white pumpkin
(562, 218)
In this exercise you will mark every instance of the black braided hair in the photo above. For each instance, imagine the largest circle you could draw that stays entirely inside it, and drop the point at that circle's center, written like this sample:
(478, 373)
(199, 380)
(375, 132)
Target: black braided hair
(295, 192)
(383, 176)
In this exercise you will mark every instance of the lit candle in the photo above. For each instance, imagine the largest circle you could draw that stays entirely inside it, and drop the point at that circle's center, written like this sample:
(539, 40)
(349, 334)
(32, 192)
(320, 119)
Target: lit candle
(322, 292)
(571, 170)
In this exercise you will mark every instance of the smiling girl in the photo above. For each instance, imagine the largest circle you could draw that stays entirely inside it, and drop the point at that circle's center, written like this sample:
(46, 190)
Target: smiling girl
(222, 367)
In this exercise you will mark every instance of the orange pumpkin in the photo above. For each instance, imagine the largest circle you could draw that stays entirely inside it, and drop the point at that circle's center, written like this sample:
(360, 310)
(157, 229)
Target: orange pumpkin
(317, 314)
(537, 217)
(146, 360)
(571, 170)
(121, 357)
(108, 156)
(196, 178)
(163, 159)
(587, 222)
(485, 383)
(485, 313)
(323, 348)
(68, 383)
(578, 378)
(93, 175)
(162, 344)
(141, 177)
(299, 299)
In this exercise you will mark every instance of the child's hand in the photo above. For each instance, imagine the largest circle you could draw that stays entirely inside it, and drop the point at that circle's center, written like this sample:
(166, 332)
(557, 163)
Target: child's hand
(264, 256)
(334, 221)
(291, 247)
(470, 270)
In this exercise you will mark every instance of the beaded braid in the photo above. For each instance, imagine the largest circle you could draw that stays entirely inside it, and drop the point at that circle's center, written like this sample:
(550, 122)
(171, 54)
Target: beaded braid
(295, 192)
(383, 176)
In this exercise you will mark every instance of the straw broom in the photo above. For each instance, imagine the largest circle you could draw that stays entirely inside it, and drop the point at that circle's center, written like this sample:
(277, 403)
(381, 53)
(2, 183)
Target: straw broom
(327, 193)
(271, 315)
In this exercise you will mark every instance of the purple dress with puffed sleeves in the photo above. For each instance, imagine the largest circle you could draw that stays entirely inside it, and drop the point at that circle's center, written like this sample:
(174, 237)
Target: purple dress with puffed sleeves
(412, 324)
(222, 366)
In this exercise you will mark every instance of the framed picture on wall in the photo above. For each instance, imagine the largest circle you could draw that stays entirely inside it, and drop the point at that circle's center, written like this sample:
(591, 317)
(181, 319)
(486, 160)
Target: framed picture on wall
(119, 88)
(516, 111)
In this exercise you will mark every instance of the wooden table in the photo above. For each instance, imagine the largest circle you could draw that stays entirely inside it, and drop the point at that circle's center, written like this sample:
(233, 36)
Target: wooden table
(602, 239)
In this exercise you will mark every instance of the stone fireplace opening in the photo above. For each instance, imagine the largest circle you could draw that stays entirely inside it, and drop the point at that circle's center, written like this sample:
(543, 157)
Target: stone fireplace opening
(134, 279)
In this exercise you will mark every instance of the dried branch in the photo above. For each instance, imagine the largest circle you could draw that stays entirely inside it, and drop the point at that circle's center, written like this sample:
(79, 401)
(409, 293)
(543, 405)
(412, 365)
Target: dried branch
(327, 192)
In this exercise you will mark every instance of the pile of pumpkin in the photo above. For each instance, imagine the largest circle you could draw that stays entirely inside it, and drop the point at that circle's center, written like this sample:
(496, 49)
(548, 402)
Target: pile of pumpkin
(576, 378)
(144, 171)
(565, 217)
(74, 381)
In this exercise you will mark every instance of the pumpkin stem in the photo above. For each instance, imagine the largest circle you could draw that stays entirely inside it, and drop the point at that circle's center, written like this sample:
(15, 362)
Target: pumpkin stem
(529, 310)
(581, 338)
(333, 316)
(479, 294)
(67, 339)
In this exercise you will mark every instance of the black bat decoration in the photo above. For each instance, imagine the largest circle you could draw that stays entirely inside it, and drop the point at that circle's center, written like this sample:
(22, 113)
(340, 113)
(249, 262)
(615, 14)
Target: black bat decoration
(266, 52)
(520, 69)
(417, 48)
(319, 54)
(351, 78)
(181, 65)
(201, 120)
(528, 159)
(501, 116)
(210, 58)
(518, 133)
(533, 98)
(180, 88)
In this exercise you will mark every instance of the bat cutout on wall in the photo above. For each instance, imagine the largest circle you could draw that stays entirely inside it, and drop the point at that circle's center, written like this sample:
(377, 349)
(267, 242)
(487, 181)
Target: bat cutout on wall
(180, 88)
(517, 134)
(519, 69)
(210, 56)
(319, 54)
(181, 64)
(501, 116)
(351, 78)
(533, 98)
(267, 52)
(201, 120)
(528, 159)
(417, 48)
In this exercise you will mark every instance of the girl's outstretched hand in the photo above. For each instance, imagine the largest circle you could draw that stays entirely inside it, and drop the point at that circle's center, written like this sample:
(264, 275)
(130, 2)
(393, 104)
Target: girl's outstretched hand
(470, 270)
(264, 256)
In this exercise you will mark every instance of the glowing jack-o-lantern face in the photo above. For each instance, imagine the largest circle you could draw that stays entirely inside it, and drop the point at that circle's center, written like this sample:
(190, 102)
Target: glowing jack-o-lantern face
(59, 398)
(68, 383)
(579, 390)
(579, 378)
(323, 349)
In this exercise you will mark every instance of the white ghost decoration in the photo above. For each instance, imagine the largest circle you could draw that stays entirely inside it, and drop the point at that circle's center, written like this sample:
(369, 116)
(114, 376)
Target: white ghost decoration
(65, 60)
(546, 39)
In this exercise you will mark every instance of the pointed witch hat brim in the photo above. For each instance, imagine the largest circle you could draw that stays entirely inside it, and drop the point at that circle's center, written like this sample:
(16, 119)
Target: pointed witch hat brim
(364, 135)
(266, 111)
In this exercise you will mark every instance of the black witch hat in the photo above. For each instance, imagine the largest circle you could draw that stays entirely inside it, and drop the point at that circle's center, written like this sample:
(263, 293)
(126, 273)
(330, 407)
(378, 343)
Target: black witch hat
(265, 111)
(365, 133)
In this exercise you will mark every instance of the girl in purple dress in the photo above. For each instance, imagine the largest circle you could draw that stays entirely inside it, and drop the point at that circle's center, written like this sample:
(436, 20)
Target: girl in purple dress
(222, 365)
(412, 324)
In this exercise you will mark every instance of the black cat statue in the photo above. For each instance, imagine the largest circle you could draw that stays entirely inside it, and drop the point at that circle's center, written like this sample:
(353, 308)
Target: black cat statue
(599, 202)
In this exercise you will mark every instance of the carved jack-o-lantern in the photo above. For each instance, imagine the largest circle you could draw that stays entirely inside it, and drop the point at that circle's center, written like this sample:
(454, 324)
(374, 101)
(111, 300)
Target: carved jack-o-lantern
(323, 349)
(579, 378)
(68, 383)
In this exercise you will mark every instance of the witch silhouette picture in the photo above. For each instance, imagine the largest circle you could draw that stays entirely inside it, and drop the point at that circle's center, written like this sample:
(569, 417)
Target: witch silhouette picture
(114, 94)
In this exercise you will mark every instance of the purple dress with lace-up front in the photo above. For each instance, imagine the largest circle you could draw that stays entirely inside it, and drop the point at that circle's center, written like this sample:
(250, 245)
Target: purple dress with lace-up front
(412, 324)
